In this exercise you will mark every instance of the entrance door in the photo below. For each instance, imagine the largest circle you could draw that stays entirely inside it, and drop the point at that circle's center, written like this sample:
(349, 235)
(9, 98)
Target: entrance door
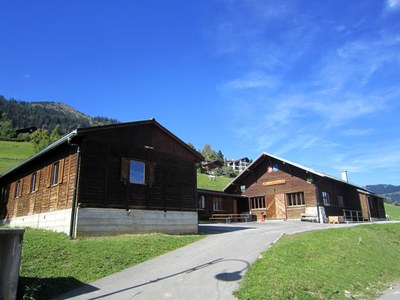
(276, 208)
(280, 206)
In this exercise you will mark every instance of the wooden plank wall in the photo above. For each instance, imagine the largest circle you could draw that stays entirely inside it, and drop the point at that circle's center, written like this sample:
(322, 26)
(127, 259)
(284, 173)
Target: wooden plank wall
(292, 184)
(46, 197)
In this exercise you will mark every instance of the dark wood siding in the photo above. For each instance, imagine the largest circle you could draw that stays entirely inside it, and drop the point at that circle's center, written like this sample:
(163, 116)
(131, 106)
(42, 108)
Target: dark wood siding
(170, 170)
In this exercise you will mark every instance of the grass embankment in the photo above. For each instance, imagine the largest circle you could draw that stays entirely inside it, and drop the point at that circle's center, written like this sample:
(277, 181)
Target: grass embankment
(12, 153)
(52, 263)
(324, 264)
(220, 182)
(393, 211)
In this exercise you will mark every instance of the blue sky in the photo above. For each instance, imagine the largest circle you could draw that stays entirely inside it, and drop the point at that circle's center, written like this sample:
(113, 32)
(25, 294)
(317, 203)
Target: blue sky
(317, 83)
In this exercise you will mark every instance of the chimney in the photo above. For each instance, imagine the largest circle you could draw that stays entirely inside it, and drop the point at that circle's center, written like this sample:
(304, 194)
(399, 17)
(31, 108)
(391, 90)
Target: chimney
(344, 176)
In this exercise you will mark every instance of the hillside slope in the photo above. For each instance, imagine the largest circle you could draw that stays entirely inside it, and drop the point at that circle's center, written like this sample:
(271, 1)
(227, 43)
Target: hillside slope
(388, 191)
(12, 153)
(47, 115)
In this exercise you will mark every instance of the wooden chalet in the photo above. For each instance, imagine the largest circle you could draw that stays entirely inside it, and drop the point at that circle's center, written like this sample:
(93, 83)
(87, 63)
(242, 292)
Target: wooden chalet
(279, 189)
(121, 178)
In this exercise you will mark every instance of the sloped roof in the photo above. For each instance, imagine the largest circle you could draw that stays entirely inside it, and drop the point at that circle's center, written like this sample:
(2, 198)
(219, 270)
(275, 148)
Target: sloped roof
(265, 156)
(82, 131)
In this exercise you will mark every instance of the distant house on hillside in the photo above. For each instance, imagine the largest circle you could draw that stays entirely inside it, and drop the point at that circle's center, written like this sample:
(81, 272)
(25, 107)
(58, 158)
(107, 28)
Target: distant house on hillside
(279, 189)
(238, 165)
(121, 178)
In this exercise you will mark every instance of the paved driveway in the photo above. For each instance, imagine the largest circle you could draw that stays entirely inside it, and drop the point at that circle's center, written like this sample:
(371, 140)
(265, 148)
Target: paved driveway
(208, 269)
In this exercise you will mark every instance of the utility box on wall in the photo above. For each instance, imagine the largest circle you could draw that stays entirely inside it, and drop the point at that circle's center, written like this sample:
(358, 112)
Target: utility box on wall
(10, 258)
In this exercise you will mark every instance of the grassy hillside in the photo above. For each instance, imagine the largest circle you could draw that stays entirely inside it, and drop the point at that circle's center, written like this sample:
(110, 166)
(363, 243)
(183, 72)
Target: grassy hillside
(12, 153)
(356, 263)
(393, 211)
(220, 182)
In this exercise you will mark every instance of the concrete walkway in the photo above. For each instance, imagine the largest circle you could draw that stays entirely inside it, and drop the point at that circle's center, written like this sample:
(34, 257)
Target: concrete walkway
(209, 269)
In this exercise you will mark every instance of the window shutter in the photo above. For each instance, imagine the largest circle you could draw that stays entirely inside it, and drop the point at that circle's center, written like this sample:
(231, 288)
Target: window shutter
(48, 175)
(61, 171)
(150, 173)
(124, 169)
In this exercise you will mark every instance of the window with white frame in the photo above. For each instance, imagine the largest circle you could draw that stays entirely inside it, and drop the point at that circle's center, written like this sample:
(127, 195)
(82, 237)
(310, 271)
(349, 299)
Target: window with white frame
(202, 202)
(296, 199)
(18, 189)
(218, 204)
(137, 172)
(325, 198)
(257, 202)
(34, 186)
(55, 173)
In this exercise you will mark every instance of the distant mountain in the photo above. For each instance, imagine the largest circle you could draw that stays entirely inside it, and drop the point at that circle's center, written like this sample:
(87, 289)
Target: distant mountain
(46, 115)
(389, 191)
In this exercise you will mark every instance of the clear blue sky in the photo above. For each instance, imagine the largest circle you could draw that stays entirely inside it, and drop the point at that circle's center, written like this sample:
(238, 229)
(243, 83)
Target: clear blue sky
(315, 82)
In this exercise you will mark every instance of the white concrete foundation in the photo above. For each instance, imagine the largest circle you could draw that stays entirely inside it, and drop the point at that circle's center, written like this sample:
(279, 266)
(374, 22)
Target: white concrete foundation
(58, 221)
(106, 221)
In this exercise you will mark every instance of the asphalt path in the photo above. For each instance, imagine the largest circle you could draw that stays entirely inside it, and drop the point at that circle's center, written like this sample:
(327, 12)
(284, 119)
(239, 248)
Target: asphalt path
(211, 268)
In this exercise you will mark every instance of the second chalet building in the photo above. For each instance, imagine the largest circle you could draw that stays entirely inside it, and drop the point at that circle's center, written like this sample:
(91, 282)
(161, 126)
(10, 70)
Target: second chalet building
(273, 188)
(122, 178)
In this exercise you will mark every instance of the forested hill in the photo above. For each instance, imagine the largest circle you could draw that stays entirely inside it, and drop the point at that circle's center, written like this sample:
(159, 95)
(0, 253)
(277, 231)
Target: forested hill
(46, 115)
(391, 192)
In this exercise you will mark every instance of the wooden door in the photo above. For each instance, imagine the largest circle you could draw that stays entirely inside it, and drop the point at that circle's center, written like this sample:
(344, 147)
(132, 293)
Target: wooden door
(271, 207)
(276, 207)
(280, 206)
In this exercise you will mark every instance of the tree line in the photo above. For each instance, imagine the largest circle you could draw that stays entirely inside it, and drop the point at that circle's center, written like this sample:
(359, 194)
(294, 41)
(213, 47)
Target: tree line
(211, 155)
(15, 114)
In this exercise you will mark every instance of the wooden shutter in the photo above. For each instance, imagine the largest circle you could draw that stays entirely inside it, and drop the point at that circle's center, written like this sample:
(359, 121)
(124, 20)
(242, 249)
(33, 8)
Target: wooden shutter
(48, 175)
(61, 171)
(124, 169)
(150, 173)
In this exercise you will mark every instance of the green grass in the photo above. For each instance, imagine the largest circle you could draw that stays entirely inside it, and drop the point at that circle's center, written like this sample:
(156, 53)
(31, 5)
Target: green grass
(203, 182)
(393, 211)
(52, 263)
(12, 153)
(324, 264)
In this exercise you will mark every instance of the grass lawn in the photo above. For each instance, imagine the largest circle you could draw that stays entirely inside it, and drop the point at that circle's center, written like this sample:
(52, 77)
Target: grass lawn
(393, 211)
(324, 264)
(220, 182)
(52, 263)
(12, 153)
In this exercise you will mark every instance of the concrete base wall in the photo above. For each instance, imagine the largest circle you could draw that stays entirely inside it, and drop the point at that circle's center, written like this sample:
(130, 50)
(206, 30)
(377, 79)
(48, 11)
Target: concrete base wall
(58, 221)
(102, 221)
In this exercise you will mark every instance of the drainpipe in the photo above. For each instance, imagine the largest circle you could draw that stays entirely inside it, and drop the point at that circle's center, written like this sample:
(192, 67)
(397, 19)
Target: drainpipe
(74, 197)
(317, 202)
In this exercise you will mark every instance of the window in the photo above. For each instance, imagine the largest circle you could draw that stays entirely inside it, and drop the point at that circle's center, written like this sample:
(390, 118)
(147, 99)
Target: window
(325, 198)
(33, 182)
(218, 204)
(18, 189)
(202, 202)
(340, 201)
(257, 202)
(55, 170)
(137, 172)
(296, 199)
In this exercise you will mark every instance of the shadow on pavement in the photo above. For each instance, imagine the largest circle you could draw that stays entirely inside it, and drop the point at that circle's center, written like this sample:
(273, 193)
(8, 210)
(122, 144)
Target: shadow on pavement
(226, 276)
(216, 229)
